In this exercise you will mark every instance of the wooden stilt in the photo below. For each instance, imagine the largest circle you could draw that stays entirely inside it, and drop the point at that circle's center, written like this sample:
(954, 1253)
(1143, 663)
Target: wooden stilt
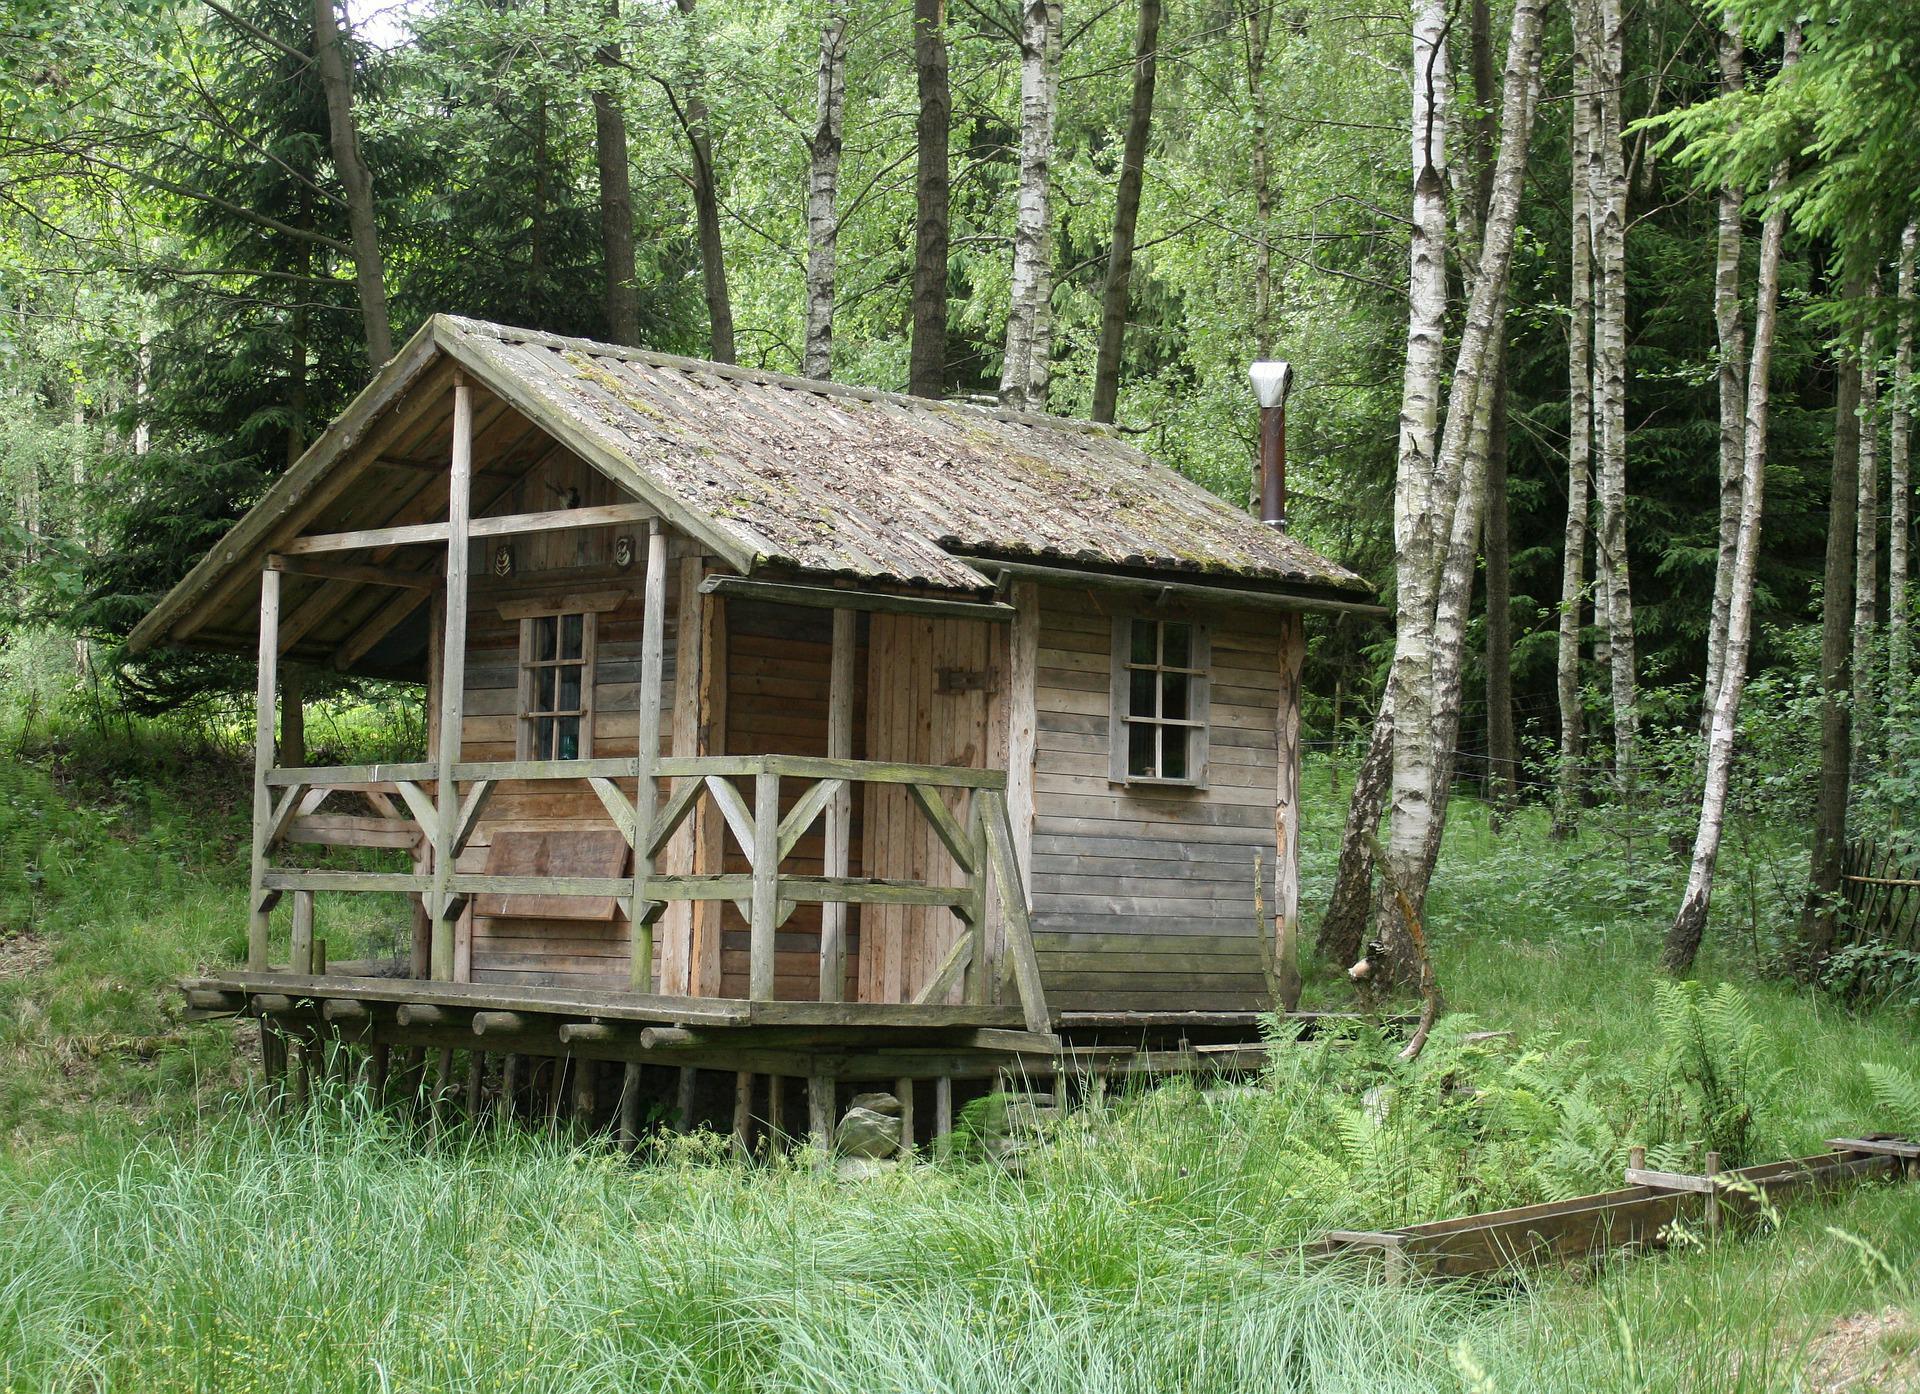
(476, 1067)
(300, 942)
(556, 1092)
(776, 1113)
(903, 1091)
(442, 1082)
(509, 1087)
(297, 1072)
(630, 1108)
(586, 1101)
(684, 1100)
(413, 1076)
(1713, 1196)
(378, 1060)
(743, 1114)
(942, 1117)
(273, 1063)
(821, 1111)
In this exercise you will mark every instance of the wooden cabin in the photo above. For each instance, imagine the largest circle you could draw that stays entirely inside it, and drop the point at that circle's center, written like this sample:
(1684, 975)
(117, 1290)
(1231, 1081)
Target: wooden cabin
(759, 703)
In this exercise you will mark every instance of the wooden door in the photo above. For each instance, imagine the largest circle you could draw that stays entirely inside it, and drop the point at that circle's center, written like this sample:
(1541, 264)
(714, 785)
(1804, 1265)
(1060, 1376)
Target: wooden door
(930, 695)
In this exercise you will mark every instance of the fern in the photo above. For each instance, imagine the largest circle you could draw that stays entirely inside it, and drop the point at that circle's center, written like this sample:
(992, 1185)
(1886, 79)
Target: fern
(1896, 1094)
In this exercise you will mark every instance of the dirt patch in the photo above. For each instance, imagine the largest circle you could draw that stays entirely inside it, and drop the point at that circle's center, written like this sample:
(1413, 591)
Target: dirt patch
(1870, 1351)
(23, 954)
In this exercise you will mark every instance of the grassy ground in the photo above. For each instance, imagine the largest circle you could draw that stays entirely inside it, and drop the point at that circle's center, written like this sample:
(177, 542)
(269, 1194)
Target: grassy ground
(155, 1236)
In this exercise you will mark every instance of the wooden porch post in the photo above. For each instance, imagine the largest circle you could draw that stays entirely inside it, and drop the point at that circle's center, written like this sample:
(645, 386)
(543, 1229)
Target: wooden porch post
(833, 915)
(653, 642)
(293, 719)
(766, 886)
(1023, 697)
(1286, 815)
(453, 676)
(258, 916)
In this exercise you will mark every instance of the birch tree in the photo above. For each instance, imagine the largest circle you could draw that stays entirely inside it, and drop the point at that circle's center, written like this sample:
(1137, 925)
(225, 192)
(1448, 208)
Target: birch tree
(1126, 214)
(1690, 921)
(1866, 543)
(1608, 177)
(1730, 328)
(1573, 563)
(1026, 363)
(356, 182)
(1900, 482)
(823, 189)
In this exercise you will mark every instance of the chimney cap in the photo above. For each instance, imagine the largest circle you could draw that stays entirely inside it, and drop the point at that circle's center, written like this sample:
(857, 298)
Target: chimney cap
(1271, 381)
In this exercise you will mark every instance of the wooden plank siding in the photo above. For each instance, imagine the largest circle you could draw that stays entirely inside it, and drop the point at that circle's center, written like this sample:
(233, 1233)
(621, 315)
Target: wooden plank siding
(1143, 897)
(520, 950)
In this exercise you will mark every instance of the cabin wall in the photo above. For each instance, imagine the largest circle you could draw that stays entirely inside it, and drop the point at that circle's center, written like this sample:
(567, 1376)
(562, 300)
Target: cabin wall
(528, 949)
(1143, 898)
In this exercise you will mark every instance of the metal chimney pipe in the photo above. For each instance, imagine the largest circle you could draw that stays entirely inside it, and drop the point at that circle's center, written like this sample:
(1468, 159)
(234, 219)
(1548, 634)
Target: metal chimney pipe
(1271, 382)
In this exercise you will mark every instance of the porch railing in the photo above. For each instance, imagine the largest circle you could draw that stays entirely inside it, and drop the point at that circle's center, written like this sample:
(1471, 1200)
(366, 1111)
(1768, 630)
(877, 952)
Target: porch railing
(978, 838)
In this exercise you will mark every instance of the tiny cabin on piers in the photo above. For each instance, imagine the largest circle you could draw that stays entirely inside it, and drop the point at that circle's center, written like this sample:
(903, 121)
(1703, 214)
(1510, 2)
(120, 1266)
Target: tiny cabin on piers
(777, 726)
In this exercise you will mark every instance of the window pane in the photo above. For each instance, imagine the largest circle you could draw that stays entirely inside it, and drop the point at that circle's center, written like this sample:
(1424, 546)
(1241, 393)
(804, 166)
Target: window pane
(1140, 693)
(545, 629)
(1173, 752)
(1178, 642)
(566, 738)
(1140, 748)
(571, 628)
(1173, 696)
(570, 689)
(1143, 641)
(543, 739)
(543, 689)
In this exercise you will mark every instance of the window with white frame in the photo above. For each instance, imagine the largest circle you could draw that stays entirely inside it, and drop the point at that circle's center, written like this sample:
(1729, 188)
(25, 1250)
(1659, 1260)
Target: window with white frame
(1160, 702)
(556, 686)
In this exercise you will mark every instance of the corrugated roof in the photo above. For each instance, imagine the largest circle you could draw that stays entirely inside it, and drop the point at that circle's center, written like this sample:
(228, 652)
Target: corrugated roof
(830, 478)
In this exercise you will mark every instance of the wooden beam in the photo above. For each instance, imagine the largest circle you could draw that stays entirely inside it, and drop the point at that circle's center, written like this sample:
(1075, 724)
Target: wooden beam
(1286, 817)
(1164, 589)
(1026, 967)
(833, 916)
(836, 598)
(365, 573)
(453, 675)
(404, 535)
(265, 694)
(646, 793)
(951, 968)
(592, 516)
(499, 1023)
(765, 846)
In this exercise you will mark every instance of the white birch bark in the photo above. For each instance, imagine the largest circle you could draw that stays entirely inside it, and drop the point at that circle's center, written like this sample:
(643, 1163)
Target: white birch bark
(1608, 170)
(1731, 330)
(1690, 922)
(1900, 482)
(1866, 549)
(1470, 419)
(1025, 366)
(1416, 523)
(823, 189)
(1573, 563)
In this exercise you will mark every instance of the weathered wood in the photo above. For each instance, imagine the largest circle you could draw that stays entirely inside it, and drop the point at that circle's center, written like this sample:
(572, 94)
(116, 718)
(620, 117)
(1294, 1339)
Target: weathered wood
(499, 1023)
(422, 1014)
(466, 770)
(351, 776)
(800, 817)
(647, 753)
(472, 807)
(358, 572)
(942, 1117)
(952, 968)
(210, 1000)
(405, 535)
(363, 881)
(590, 1032)
(903, 1091)
(1286, 817)
(271, 1004)
(850, 600)
(680, 803)
(592, 516)
(617, 806)
(259, 924)
(419, 804)
(611, 1005)
(765, 845)
(479, 883)
(743, 1114)
(684, 1098)
(1019, 929)
(833, 916)
(1877, 1146)
(344, 1011)
(1024, 1042)
(822, 1111)
(300, 940)
(343, 830)
(1160, 590)
(946, 827)
(805, 889)
(628, 1111)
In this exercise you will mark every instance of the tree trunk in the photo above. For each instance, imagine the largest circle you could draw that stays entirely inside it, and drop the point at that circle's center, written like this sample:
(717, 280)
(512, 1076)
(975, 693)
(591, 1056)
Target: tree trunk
(1573, 562)
(1126, 215)
(1025, 364)
(616, 198)
(1900, 482)
(927, 366)
(1502, 756)
(1610, 365)
(1690, 921)
(1416, 522)
(1732, 334)
(1259, 20)
(356, 183)
(706, 209)
(1344, 929)
(823, 190)
(1866, 549)
(1836, 622)
(1463, 461)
